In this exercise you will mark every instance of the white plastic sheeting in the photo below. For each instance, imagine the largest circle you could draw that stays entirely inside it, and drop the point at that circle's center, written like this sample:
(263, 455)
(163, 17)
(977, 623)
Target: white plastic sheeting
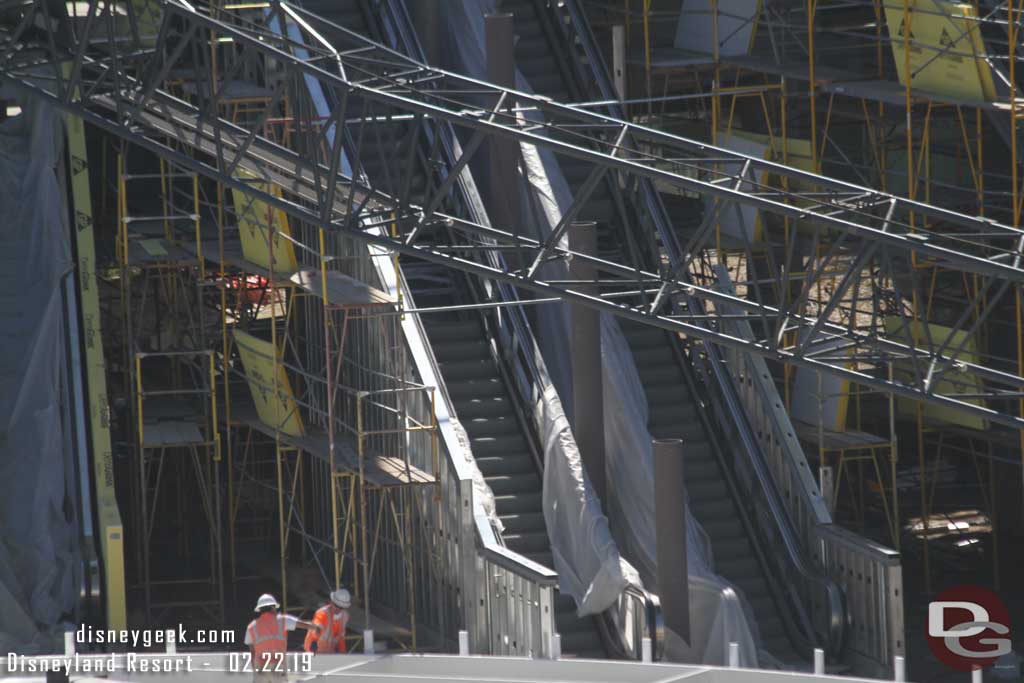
(40, 567)
(718, 615)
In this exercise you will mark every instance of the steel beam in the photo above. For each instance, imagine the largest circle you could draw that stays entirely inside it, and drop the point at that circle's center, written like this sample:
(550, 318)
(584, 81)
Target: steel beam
(123, 92)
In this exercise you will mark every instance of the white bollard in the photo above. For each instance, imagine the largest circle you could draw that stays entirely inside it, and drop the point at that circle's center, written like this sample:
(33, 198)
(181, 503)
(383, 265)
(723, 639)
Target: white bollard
(819, 661)
(900, 668)
(368, 641)
(976, 676)
(463, 643)
(69, 643)
(556, 646)
(645, 649)
(172, 646)
(734, 655)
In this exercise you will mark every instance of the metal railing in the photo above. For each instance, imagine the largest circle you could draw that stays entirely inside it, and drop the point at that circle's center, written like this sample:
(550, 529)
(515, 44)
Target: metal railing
(870, 574)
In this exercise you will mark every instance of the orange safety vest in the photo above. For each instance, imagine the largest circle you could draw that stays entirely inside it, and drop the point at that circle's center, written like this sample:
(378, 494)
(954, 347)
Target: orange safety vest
(269, 641)
(332, 631)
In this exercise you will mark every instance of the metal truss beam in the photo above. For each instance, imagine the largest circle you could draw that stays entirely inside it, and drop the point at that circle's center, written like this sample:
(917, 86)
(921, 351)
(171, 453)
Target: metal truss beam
(118, 84)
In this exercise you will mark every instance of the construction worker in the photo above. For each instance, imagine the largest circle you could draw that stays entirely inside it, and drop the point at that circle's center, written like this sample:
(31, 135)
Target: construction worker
(331, 619)
(267, 638)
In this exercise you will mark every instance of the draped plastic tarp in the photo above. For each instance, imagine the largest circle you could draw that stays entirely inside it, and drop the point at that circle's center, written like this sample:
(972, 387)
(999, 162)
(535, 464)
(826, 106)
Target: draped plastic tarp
(40, 564)
(718, 615)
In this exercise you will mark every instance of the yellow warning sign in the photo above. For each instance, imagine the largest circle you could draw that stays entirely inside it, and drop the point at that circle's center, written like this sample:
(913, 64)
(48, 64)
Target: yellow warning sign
(255, 220)
(275, 402)
(946, 49)
(953, 381)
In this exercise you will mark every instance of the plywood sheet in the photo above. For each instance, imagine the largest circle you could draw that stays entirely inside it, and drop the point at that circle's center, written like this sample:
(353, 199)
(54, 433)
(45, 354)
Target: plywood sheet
(256, 218)
(261, 363)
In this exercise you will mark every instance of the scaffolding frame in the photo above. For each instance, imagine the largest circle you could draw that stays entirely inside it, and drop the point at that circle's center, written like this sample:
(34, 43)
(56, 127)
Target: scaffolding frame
(897, 117)
(174, 425)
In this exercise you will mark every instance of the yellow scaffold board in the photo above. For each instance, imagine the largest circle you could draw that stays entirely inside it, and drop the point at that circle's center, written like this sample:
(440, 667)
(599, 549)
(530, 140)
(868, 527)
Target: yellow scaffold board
(255, 218)
(261, 362)
(953, 381)
(946, 49)
(111, 541)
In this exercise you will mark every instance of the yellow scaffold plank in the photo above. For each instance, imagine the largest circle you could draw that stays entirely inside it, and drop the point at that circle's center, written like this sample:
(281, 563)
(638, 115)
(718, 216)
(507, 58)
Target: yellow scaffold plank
(110, 526)
(262, 362)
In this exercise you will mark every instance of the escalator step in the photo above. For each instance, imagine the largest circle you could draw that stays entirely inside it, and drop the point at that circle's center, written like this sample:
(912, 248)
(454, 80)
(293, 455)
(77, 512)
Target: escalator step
(467, 369)
(713, 511)
(479, 388)
(513, 484)
(667, 412)
(517, 502)
(711, 489)
(469, 349)
(495, 427)
(483, 408)
(725, 550)
(527, 542)
(737, 569)
(523, 522)
(667, 393)
(506, 465)
(454, 331)
(488, 446)
(697, 469)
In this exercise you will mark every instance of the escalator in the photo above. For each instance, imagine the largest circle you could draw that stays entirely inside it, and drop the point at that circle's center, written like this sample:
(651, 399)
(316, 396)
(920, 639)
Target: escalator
(503, 444)
(675, 413)
(673, 409)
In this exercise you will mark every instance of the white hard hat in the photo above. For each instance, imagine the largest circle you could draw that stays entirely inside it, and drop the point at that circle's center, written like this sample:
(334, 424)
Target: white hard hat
(266, 600)
(341, 598)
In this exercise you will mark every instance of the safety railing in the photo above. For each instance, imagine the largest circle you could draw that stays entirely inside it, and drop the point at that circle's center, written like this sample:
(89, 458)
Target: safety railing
(870, 574)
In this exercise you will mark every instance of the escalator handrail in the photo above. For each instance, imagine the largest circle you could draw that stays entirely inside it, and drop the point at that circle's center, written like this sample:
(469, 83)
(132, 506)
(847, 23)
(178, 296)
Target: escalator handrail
(834, 635)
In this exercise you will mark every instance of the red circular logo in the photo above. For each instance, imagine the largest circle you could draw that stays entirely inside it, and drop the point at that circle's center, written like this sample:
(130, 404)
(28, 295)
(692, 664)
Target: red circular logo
(968, 628)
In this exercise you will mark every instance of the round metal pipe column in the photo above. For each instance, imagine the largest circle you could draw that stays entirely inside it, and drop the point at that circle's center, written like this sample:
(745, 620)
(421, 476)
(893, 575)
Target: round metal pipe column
(585, 347)
(670, 535)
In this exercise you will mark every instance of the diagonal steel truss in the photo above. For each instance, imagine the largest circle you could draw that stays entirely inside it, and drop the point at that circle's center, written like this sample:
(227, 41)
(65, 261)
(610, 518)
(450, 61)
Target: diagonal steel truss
(865, 242)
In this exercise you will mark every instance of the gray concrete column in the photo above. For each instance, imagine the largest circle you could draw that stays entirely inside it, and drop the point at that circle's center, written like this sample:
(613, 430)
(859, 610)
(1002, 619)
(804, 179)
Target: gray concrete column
(585, 346)
(503, 176)
(619, 60)
(670, 535)
(426, 14)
